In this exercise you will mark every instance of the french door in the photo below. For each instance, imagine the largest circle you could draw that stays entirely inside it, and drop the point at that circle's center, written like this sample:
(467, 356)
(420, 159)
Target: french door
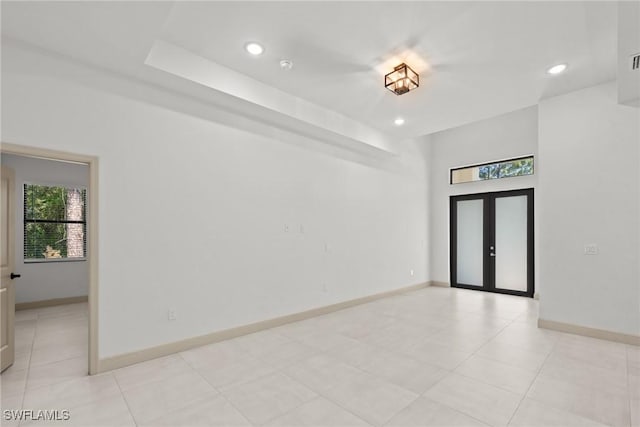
(492, 242)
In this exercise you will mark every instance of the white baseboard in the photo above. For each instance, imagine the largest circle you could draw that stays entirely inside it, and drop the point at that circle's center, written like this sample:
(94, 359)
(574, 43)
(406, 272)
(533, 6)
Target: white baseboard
(126, 359)
(439, 284)
(50, 302)
(589, 332)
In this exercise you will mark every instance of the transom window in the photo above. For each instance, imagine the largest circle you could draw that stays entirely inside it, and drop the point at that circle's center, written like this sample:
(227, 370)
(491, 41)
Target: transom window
(55, 224)
(520, 166)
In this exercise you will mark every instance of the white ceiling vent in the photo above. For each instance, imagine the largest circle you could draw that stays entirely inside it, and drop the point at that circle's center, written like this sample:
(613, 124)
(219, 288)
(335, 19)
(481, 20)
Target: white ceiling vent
(635, 62)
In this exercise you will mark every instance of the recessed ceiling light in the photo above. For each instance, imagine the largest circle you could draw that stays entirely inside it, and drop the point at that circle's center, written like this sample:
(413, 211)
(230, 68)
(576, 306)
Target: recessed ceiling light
(399, 121)
(557, 69)
(254, 48)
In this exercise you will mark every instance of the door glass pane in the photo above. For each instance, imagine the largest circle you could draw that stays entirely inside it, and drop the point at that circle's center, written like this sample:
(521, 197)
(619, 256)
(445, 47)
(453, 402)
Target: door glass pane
(469, 242)
(511, 243)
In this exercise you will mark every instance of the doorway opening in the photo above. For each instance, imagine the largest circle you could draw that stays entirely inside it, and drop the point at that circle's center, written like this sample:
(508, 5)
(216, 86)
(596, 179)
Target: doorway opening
(55, 231)
(492, 242)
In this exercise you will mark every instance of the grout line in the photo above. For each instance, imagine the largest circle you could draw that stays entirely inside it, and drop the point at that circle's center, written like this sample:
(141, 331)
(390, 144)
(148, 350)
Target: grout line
(28, 368)
(626, 351)
(124, 398)
(524, 396)
(215, 388)
(324, 396)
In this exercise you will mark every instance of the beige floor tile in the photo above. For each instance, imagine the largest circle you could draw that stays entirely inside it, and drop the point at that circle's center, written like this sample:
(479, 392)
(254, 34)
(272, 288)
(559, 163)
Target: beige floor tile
(9, 406)
(108, 412)
(22, 315)
(599, 405)
(21, 361)
(634, 386)
(13, 382)
(215, 411)
(371, 398)
(368, 362)
(268, 397)
(26, 326)
(156, 399)
(318, 338)
(633, 359)
(57, 324)
(438, 355)
(64, 336)
(512, 355)
(151, 371)
(322, 372)
(404, 371)
(318, 412)
(528, 337)
(598, 353)
(355, 353)
(287, 354)
(532, 413)
(24, 338)
(57, 372)
(398, 335)
(487, 403)
(498, 374)
(462, 341)
(63, 310)
(244, 370)
(425, 412)
(59, 351)
(72, 393)
(260, 343)
(563, 368)
(635, 412)
(215, 355)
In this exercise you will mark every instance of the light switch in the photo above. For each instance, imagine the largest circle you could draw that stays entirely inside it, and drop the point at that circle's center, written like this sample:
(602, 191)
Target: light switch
(591, 249)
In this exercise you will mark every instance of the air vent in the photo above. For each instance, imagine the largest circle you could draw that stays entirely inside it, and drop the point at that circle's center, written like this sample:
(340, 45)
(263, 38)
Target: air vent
(635, 61)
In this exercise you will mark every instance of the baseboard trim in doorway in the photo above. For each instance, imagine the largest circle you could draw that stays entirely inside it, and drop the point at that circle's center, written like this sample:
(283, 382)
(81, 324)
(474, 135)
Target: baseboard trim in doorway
(589, 332)
(126, 359)
(50, 302)
(439, 284)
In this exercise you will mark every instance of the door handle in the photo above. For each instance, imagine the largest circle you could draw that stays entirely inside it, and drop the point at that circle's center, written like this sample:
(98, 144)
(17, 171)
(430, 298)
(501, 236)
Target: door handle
(492, 254)
(14, 276)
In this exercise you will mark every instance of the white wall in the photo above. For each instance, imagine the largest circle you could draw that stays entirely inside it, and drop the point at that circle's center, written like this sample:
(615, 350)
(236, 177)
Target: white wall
(509, 135)
(43, 281)
(589, 193)
(193, 211)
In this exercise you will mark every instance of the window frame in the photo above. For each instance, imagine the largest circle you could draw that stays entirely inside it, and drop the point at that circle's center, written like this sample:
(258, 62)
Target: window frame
(25, 221)
(494, 162)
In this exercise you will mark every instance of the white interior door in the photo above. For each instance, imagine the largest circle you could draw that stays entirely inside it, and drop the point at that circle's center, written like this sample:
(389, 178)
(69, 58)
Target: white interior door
(7, 290)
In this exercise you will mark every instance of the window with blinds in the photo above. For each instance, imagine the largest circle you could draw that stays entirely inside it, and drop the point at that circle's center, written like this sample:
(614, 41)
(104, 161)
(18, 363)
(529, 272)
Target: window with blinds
(55, 223)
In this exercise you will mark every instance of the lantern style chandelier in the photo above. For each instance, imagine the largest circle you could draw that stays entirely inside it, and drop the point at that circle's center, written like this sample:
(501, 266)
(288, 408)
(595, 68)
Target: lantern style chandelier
(402, 79)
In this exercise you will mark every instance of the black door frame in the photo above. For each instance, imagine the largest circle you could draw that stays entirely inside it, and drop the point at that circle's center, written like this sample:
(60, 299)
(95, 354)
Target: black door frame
(489, 232)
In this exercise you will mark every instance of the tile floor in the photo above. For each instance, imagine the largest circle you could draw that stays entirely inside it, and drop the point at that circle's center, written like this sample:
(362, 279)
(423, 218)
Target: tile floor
(433, 357)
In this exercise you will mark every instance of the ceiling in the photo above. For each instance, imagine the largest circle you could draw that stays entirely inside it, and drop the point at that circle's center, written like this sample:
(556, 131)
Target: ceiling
(475, 59)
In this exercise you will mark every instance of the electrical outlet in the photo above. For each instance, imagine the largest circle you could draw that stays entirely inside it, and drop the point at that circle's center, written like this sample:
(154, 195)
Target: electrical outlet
(411, 272)
(301, 229)
(171, 314)
(324, 286)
